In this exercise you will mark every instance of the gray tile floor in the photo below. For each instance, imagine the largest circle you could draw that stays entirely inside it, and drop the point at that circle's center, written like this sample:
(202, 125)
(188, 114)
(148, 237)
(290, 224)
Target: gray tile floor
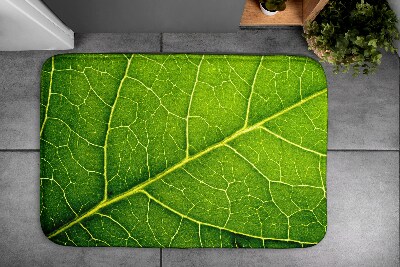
(363, 161)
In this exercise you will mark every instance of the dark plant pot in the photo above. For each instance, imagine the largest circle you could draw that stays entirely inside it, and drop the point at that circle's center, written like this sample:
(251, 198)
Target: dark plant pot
(326, 54)
(319, 52)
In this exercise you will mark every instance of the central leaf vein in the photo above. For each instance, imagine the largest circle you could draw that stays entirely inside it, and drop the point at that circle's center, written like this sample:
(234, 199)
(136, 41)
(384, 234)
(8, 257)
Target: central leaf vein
(140, 187)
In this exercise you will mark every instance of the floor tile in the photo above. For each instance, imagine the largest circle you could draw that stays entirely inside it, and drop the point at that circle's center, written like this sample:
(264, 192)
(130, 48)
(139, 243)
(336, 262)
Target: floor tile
(22, 242)
(117, 42)
(279, 40)
(363, 221)
(20, 79)
(363, 111)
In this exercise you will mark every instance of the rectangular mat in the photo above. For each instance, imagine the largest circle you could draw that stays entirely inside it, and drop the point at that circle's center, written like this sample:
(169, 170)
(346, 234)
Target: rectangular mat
(183, 150)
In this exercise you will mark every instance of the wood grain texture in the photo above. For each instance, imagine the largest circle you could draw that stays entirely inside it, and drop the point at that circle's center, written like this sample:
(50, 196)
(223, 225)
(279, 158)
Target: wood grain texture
(311, 8)
(292, 15)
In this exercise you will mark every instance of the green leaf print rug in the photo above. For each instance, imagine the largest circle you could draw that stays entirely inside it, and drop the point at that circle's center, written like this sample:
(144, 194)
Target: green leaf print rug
(183, 150)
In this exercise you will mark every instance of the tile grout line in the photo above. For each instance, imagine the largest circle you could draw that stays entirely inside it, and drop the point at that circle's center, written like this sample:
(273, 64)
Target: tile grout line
(161, 42)
(19, 150)
(160, 257)
(363, 150)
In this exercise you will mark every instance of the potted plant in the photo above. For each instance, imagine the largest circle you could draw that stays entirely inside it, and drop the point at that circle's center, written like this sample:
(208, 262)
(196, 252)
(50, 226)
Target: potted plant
(352, 34)
(271, 7)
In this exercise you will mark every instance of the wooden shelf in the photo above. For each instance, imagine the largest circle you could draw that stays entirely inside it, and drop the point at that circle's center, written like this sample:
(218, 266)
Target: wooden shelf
(292, 15)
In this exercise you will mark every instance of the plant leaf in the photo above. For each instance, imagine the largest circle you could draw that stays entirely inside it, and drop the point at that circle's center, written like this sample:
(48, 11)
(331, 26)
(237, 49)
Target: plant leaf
(183, 150)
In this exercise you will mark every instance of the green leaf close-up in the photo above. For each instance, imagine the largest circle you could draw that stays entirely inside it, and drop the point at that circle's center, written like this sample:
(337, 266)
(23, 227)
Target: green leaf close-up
(183, 150)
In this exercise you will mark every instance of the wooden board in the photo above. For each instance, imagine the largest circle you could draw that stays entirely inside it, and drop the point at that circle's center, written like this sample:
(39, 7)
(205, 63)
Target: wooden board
(292, 15)
(311, 8)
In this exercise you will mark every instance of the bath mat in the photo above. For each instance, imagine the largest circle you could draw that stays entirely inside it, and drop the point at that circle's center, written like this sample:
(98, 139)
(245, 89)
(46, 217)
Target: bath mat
(183, 151)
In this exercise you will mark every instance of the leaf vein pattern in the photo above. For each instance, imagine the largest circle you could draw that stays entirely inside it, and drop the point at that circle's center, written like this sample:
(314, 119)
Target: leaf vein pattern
(161, 144)
(141, 186)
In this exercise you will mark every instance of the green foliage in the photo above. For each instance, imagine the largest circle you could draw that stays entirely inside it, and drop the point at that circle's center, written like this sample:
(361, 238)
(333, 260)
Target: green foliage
(351, 33)
(274, 5)
(183, 151)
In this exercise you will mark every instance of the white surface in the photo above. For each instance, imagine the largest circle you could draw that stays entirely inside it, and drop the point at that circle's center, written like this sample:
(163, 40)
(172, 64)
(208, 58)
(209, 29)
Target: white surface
(30, 25)
(267, 12)
(395, 5)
